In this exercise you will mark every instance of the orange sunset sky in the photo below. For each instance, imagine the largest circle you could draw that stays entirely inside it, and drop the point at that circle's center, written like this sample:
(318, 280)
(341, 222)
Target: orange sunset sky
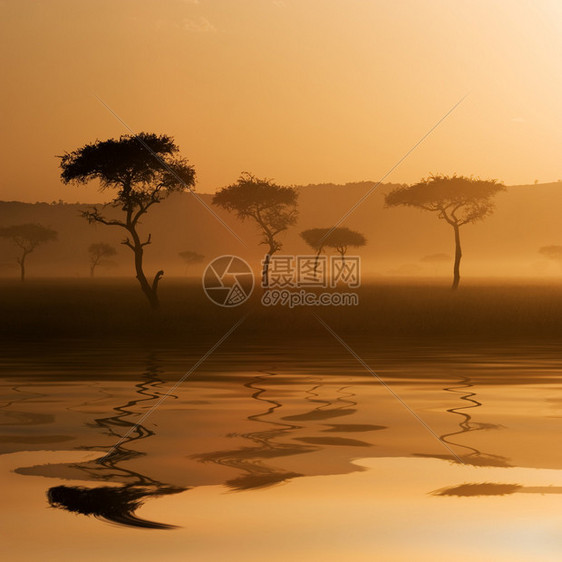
(302, 91)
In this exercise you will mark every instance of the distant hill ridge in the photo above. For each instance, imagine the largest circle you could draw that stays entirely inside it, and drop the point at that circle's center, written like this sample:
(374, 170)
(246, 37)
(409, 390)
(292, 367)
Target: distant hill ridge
(507, 243)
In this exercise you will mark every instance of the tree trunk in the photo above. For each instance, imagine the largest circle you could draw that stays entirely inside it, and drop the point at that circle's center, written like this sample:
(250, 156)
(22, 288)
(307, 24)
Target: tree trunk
(21, 261)
(265, 271)
(316, 261)
(458, 256)
(151, 292)
(92, 268)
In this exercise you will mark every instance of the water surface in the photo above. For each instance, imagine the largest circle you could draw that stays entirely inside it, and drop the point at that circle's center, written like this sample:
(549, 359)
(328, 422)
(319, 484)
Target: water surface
(296, 453)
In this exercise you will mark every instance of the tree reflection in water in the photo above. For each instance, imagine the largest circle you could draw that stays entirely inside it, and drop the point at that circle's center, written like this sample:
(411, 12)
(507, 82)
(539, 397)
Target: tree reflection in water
(472, 455)
(272, 442)
(117, 504)
(250, 460)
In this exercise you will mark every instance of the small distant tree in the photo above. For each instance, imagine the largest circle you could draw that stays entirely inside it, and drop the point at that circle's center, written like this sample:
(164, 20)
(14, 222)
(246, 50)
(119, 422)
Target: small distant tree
(458, 200)
(408, 269)
(99, 252)
(436, 260)
(315, 238)
(142, 170)
(339, 238)
(342, 238)
(191, 258)
(272, 207)
(27, 237)
(553, 253)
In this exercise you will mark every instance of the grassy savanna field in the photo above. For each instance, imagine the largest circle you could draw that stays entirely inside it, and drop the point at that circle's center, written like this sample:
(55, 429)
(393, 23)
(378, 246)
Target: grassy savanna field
(115, 309)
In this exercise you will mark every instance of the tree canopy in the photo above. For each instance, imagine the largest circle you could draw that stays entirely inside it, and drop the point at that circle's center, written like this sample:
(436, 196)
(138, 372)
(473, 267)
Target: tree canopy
(271, 206)
(99, 251)
(142, 166)
(28, 236)
(436, 258)
(315, 237)
(342, 237)
(339, 238)
(456, 199)
(190, 257)
(144, 169)
(551, 252)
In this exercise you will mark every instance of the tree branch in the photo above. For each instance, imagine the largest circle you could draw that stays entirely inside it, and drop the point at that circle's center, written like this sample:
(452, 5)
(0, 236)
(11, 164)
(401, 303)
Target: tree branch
(93, 215)
(455, 209)
(128, 243)
(443, 214)
(143, 209)
(156, 280)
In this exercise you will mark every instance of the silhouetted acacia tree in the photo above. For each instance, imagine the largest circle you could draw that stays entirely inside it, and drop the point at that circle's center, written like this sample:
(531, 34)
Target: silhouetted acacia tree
(27, 237)
(553, 253)
(315, 238)
(436, 260)
(143, 170)
(272, 207)
(339, 238)
(191, 258)
(98, 254)
(458, 200)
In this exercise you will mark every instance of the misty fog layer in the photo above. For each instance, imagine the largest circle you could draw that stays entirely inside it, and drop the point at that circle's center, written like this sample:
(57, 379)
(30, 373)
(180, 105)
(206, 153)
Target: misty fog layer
(404, 243)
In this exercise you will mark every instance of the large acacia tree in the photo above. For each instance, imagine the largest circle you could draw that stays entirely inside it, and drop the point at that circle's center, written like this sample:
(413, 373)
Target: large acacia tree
(27, 237)
(458, 200)
(272, 207)
(141, 170)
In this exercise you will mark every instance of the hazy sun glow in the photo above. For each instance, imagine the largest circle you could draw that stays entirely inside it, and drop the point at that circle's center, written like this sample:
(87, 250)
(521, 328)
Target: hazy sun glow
(304, 91)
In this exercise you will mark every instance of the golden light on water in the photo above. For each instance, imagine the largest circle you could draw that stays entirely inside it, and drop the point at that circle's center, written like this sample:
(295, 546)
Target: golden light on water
(386, 512)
